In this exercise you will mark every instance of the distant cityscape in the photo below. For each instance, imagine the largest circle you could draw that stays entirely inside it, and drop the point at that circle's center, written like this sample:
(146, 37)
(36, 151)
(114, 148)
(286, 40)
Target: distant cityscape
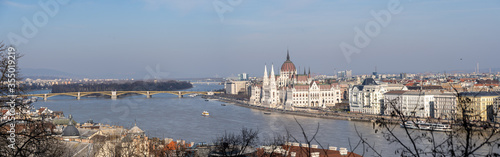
(243, 78)
(291, 91)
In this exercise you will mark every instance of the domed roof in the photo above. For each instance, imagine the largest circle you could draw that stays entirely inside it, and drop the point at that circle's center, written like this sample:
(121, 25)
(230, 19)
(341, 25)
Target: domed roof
(70, 130)
(369, 81)
(288, 65)
(135, 130)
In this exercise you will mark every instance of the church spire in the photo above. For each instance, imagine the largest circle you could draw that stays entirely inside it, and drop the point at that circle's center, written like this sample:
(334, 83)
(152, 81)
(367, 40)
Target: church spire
(287, 55)
(305, 71)
(272, 71)
(272, 79)
(265, 75)
(70, 120)
(309, 72)
(265, 71)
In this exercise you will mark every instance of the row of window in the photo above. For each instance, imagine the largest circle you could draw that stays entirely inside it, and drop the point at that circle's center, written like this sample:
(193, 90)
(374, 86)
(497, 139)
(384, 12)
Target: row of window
(314, 94)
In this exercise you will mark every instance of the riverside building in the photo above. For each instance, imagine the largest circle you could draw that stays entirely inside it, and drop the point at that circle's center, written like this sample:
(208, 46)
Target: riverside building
(290, 89)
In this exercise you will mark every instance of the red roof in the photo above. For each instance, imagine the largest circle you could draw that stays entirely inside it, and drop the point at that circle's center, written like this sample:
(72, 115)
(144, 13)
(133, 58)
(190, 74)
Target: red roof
(41, 110)
(390, 81)
(325, 86)
(302, 78)
(494, 85)
(288, 66)
(301, 87)
(173, 146)
(303, 152)
(467, 79)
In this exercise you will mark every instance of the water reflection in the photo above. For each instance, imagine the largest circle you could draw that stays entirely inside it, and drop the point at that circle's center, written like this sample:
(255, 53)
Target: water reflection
(166, 115)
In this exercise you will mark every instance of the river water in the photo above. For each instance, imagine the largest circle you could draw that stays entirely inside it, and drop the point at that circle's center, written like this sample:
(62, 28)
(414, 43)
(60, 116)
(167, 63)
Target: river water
(166, 115)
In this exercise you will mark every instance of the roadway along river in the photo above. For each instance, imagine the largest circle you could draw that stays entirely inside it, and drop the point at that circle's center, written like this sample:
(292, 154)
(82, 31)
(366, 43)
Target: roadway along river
(166, 115)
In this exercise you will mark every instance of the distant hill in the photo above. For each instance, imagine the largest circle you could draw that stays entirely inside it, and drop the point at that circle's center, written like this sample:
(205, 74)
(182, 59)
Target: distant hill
(46, 74)
(128, 86)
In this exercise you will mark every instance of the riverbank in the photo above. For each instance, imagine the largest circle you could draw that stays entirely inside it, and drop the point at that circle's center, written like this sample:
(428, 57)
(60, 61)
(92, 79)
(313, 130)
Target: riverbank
(325, 114)
(316, 113)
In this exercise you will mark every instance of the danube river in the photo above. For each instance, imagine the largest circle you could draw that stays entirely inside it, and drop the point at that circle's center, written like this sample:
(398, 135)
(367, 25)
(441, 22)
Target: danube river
(166, 115)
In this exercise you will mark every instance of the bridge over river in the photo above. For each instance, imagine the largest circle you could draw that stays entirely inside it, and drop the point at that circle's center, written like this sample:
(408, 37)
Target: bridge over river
(115, 94)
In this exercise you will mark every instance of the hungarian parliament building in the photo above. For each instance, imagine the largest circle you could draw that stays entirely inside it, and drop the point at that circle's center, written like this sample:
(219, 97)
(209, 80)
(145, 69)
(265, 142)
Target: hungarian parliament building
(290, 89)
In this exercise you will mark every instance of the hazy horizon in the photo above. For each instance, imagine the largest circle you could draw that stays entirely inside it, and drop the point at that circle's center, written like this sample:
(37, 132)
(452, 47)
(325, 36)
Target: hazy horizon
(192, 39)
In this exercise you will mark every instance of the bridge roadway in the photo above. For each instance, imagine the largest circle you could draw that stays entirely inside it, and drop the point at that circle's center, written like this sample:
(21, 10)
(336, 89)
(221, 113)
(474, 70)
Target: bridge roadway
(115, 94)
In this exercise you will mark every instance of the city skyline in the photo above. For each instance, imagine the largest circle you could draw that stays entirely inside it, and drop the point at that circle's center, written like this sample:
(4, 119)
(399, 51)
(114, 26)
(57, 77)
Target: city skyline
(177, 39)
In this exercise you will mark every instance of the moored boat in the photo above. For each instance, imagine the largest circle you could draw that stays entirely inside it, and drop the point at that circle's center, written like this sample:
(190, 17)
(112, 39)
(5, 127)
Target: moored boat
(409, 125)
(442, 127)
(421, 125)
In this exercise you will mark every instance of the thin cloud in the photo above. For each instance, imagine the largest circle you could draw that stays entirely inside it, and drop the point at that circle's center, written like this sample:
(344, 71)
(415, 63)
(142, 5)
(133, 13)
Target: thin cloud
(182, 6)
(473, 10)
(17, 5)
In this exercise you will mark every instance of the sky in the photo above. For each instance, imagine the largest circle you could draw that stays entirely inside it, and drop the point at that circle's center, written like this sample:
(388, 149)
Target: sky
(205, 38)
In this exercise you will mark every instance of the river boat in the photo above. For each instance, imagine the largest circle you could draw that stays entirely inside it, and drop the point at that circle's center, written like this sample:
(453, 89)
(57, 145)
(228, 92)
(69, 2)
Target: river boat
(442, 127)
(409, 125)
(421, 125)
(205, 113)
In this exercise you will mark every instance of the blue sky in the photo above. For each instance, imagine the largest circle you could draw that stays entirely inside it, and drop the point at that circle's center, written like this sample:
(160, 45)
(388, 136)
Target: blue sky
(178, 38)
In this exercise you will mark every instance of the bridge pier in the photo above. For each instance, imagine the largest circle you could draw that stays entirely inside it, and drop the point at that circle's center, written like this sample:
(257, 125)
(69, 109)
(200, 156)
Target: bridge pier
(113, 95)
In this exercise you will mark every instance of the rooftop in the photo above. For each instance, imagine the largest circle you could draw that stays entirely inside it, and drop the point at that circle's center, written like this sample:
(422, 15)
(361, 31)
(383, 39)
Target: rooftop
(369, 81)
(476, 94)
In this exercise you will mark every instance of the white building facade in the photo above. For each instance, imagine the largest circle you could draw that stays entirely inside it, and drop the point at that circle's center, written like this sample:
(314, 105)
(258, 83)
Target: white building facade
(235, 87)
(314, 95)
(445, 105)
(421, 104)
(289, 90)
(367, 97)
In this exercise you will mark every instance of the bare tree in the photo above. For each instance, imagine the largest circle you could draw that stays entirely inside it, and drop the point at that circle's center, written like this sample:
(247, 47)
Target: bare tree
(307, 139)
(118, 146)
(177, 150)
(230, 144)
(468, 135)
(157, 148)
(20, 135)
(273, 144)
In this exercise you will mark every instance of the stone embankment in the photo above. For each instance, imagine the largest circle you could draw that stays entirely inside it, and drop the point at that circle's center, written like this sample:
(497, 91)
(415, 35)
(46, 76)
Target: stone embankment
(308, 112)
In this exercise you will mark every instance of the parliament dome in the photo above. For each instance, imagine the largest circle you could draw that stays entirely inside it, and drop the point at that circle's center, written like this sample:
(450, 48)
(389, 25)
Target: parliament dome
(288, 65)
